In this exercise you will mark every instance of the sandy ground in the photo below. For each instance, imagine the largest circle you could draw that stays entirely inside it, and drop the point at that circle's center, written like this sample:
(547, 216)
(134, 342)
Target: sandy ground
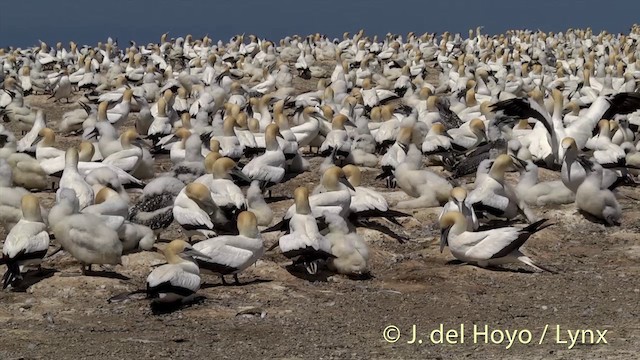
(278, 313)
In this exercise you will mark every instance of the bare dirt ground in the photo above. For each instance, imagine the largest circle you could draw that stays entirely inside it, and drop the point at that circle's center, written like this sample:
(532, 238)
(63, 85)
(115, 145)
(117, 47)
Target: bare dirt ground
(276, 313)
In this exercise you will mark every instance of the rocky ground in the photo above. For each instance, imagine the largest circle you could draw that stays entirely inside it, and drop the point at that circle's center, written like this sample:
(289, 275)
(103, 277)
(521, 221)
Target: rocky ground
(279, 313)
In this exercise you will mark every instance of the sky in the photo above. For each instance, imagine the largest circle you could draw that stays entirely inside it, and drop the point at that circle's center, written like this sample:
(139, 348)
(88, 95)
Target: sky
(24, 22)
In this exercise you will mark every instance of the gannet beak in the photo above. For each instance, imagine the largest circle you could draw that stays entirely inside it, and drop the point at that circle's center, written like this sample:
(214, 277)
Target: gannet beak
(318, 116)
(346, 182)
(239, 174)
(447, 135)
(519, 163)
(37, 140)
(349, 123)
(191, 252)
(90, 133)
(444, 235)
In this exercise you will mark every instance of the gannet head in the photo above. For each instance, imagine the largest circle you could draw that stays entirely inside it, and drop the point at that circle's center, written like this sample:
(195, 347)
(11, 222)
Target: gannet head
(46, 136)
(31, 208)
(178, 249)
(334, 176)
(569, 143)
(104, 194)
(353, 174)
(301, 198)
(248, 224)
(447, 221)
(200, 194)
(458, 194)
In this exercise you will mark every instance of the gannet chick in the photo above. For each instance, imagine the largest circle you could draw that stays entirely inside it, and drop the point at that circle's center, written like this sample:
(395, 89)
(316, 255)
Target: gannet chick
(257, 205)
(71, 179)
(304, 244)
(155, 207)
(600, 202)
(231, 254)
(487, 248)
(458, 202)
(497, 198)
(175, 283)
(350, 251)
(85, 236)
(26, 243)
(196, 212)
(533, 192)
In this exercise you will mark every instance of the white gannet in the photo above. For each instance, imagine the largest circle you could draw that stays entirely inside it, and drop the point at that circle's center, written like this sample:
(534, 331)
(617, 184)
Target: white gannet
(196, 212)
(487, 248)
(28, 142)
(304, 244)
(62, 89)
(108, 202)
(72, 179)
(493, 196)
(231, 254)
(26, 243)
(224, 192)
(176, 282)
(45, 148)
(130, 157)
(426, 187)
(257, 205)
(268, 167)
(85, 236)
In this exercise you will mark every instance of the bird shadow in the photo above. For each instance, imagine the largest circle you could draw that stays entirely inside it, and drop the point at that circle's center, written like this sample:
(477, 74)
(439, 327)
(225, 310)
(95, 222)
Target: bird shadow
(361, 277)
(300, 272)
(273, 199)
(247, 283)
(160, 308)
(595, 220)
(106, 274)
(491, 268)
(31, 278)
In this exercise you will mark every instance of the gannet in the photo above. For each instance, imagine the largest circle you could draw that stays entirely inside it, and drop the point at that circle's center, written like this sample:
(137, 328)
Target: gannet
(224, 192)
(72, 179)
(495, 197)
(487, 248)
(268, 167)
(257, 205)
(231, 254)
(196, 212)
(26, 243)
(304, 244)
(176, 282)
